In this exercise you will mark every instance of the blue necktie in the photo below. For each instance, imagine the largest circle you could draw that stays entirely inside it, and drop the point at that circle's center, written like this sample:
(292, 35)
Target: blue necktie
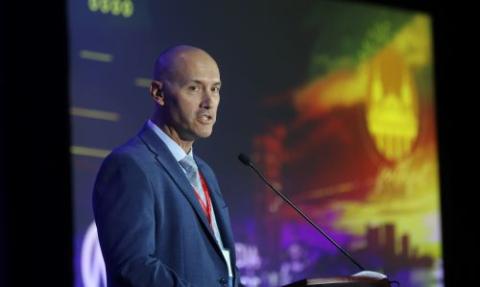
(188, 163)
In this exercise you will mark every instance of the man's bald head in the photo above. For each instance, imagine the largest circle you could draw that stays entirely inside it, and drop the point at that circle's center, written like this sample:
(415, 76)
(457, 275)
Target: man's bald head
(175, 58)
(186, 91)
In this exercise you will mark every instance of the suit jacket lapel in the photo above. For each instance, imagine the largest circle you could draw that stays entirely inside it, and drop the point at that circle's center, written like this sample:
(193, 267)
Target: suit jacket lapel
(166, 159)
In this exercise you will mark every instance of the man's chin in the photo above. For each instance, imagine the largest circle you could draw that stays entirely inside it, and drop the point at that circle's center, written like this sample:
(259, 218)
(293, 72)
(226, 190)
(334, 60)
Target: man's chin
(204, 133)
(194, 134)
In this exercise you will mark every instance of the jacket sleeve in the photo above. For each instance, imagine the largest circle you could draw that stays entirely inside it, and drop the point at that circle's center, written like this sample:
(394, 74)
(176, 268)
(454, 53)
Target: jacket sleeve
(124, 209)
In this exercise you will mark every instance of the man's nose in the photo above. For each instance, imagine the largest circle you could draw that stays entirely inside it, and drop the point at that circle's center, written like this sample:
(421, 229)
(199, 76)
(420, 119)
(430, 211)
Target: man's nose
(207, 99)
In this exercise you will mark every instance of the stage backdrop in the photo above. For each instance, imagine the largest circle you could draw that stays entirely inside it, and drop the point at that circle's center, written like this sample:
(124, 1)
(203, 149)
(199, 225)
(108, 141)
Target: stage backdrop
(333, 100)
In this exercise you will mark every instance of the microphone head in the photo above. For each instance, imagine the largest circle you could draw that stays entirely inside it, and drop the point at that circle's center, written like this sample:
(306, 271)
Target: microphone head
(244, 159)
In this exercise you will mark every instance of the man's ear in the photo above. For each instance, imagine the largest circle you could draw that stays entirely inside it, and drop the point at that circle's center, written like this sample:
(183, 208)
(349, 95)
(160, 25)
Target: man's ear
(156, 92)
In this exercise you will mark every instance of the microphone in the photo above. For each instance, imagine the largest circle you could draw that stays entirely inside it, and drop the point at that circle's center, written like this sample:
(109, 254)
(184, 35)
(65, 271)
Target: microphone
(246, 161)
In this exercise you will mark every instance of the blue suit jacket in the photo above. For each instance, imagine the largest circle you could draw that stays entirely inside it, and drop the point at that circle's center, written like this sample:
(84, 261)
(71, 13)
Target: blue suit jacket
(151, 228)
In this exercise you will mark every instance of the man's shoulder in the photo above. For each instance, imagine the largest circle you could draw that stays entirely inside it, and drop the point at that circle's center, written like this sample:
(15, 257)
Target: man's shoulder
(132, 145)
(133, 149)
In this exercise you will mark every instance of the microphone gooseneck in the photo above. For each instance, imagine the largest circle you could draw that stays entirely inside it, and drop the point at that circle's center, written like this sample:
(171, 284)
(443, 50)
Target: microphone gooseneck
(246, 161)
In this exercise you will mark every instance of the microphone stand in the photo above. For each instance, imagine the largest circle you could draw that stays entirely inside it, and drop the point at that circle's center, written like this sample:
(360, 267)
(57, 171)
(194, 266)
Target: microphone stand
(246, 161)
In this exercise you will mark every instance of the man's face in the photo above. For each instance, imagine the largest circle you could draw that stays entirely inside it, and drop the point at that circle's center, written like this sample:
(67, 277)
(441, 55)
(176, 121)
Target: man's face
(191, 95)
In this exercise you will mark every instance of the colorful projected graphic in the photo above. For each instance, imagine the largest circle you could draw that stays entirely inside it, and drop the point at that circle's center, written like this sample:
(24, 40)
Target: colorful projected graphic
(360, 156)
(335, 104)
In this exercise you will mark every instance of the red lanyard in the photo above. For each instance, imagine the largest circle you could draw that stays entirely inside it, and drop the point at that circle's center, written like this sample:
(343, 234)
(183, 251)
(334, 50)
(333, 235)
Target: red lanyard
(207, 207)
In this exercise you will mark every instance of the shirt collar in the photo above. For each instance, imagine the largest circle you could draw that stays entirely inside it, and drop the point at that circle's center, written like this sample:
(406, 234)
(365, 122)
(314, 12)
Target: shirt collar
(177, 152)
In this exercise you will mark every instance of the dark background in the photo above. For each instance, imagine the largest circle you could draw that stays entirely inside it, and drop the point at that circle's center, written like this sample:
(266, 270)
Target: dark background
(35, 200)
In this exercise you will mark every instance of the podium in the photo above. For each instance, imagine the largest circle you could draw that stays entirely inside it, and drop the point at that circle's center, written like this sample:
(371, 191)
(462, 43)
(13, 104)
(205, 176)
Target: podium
(341, 282)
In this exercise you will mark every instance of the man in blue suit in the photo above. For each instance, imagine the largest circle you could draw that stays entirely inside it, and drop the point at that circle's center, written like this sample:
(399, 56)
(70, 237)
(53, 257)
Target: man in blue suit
(161, 217)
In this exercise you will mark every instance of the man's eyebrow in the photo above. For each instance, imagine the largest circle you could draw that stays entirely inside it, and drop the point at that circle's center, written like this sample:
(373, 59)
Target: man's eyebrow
(219, 83)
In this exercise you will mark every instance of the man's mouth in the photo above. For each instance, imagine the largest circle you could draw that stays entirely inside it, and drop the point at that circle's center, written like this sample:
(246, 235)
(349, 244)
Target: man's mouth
(205, 118)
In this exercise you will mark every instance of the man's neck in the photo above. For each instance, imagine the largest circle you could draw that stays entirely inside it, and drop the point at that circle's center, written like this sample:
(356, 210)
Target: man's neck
(173, 134)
